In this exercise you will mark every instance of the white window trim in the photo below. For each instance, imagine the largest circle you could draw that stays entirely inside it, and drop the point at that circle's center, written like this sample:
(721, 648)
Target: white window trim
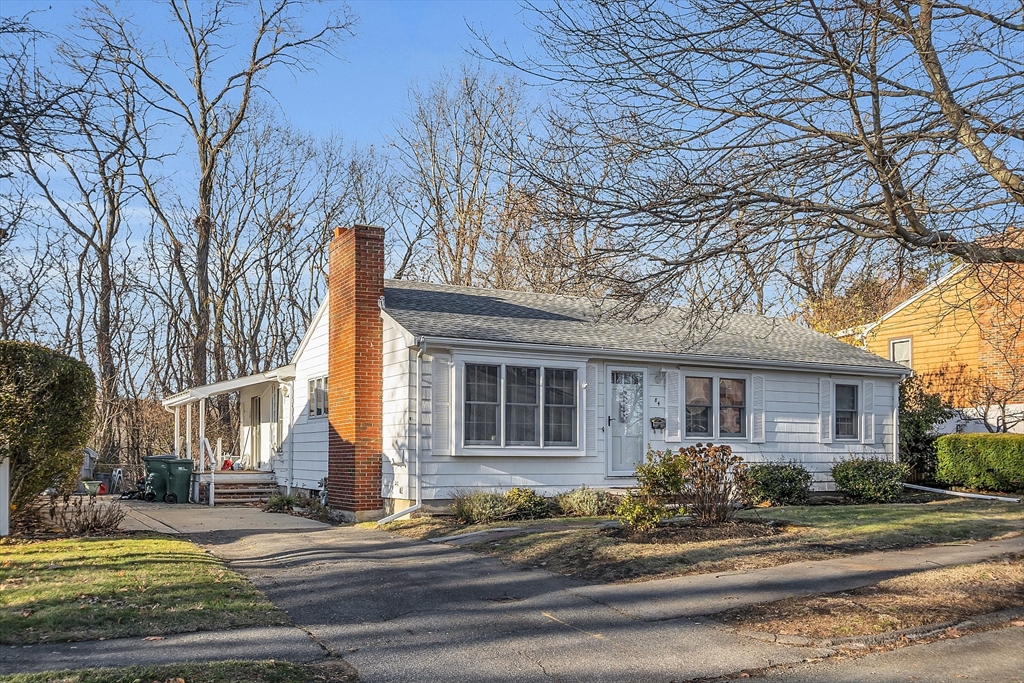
(458, 407)
(856, 420)
(311, 397)
(715, 408)
(910, 358)
(604, 419)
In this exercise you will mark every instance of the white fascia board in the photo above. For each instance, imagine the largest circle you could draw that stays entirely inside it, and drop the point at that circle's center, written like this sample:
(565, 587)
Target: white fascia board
(935, 285)
(676, 359)
(320, 312)
(193, 394)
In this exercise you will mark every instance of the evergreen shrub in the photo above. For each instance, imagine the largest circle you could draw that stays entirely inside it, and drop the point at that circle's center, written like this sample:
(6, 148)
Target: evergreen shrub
(778, 483)
(47, 403)
(991, 462)
(870, 480)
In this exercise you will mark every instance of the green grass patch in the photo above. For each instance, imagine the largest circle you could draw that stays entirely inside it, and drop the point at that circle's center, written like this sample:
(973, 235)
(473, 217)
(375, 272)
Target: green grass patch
(91, 588)
(799, 533)
(901, 525)
(329, 671)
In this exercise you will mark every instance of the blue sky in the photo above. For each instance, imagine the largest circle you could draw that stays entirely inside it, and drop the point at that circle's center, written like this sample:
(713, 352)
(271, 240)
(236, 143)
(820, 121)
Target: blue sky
(396, 45)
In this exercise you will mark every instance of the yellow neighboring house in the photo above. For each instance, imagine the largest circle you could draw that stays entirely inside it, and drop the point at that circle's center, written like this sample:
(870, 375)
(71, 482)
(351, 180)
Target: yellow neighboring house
(962, 337)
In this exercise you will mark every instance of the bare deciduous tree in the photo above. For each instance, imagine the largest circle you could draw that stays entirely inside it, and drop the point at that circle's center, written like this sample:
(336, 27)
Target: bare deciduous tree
(223, 78)
(885, 121)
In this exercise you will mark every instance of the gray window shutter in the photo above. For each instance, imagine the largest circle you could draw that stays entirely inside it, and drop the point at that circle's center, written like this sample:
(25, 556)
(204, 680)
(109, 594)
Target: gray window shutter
(440, 405)
(824, 410)
(590, 393)
(757, 427)
(673, 431)
(867, 413)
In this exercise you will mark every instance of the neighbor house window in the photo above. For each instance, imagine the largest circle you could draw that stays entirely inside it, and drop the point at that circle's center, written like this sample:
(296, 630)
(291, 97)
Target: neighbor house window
(732, 409)
(846, 411)
(318, 397)
(509, 405)
(698, 406)
(899, 352)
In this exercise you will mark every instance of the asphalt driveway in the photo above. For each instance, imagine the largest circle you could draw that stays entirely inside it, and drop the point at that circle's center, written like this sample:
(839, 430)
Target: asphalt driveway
(401, 610)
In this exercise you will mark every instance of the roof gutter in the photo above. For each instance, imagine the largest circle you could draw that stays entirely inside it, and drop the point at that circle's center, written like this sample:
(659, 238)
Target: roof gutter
(722, 361)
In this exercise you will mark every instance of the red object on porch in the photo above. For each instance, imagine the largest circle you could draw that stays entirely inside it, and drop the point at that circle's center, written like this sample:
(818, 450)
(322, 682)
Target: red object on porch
(355, 365)
(227, 465)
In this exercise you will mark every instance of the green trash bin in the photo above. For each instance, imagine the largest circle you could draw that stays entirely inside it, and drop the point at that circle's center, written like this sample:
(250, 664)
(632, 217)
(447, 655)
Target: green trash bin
(157, 476)
(180, 481)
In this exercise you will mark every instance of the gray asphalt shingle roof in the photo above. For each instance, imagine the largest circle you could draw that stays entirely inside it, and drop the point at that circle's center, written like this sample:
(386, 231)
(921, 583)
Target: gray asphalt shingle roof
(444, 311)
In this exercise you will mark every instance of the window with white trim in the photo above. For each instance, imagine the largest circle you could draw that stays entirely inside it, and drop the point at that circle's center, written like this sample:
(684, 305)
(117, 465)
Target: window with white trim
(846, 407)
(732, 407)
(899, 352)
(318, 397)
(699, 407)
(711, 414)
(519, 405)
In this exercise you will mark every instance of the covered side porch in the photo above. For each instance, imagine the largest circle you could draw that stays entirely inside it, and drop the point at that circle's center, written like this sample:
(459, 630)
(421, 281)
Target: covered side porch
(244, 472)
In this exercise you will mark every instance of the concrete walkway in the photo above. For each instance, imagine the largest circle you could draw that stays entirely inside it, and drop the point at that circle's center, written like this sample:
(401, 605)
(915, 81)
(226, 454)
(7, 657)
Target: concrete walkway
(990, 657)
(270, 642)
(192, 519)
(702, 594)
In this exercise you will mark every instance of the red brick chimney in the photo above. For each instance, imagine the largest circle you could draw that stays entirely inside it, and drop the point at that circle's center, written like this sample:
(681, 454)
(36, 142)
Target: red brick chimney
(355, 363)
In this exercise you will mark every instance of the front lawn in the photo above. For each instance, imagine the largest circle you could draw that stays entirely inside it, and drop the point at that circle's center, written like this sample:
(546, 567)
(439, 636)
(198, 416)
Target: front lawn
(760, 538)
(91, 588)
(936, 596)
(329, 671)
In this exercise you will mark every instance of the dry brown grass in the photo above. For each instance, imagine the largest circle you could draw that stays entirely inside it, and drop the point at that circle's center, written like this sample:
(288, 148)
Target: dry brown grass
(930, 597)
(798, 534)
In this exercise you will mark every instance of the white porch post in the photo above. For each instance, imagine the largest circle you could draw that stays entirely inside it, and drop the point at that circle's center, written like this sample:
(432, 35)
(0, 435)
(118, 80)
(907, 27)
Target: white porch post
(177, 431)
(5, 497)
(188, 431)
(202, 434)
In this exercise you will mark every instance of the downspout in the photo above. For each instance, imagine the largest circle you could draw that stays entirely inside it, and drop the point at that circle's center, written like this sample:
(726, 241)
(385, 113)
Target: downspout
(421, 344)
(896, 420)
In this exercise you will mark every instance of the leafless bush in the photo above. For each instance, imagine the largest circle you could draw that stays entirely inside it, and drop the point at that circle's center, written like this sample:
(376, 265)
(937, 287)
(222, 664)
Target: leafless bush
(714, 482)
(80, 515)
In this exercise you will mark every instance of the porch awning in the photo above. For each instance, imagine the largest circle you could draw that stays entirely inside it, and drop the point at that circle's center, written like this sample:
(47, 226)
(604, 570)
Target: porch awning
(281, 374)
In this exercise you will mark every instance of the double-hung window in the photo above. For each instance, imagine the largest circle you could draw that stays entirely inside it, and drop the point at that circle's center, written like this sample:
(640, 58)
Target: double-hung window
(846, 411)
(732, 407)
(512, 405)
(318, 397)
(699, 407)
(899, 352)
(715, 407)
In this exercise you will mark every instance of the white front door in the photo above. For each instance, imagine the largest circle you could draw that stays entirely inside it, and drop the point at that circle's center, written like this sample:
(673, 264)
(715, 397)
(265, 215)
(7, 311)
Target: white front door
(255, 433)
(625, 421)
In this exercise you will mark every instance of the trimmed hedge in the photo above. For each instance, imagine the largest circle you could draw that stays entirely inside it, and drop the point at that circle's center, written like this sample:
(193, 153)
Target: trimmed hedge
(47, 401)
(869, 480)
(992, 462)
(778, 483)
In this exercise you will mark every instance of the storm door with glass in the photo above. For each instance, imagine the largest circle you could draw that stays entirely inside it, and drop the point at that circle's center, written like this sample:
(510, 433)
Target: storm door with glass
(625, 422)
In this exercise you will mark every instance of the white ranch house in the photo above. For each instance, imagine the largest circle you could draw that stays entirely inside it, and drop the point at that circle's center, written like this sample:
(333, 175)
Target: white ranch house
(402, 392)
